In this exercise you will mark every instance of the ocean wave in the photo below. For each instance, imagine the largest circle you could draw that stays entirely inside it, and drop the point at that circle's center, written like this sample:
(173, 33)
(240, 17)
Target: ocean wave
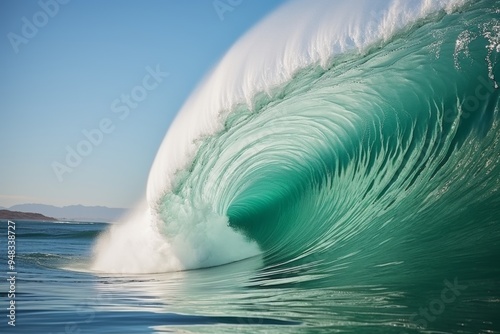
(340, 136)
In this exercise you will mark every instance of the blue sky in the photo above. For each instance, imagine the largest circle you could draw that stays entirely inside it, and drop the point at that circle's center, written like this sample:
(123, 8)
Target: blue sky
(90, 65)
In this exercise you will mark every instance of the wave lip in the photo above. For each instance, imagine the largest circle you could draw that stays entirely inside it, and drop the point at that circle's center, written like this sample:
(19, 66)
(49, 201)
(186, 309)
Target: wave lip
(298, 35)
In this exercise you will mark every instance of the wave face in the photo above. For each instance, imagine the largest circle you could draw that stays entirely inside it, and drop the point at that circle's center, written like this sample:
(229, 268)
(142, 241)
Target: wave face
(346, 139)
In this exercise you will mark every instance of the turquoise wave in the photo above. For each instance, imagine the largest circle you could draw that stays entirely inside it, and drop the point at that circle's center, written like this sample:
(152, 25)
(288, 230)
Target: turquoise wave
(381, 157)
(387, 160)
(354, 165)
(344, 157)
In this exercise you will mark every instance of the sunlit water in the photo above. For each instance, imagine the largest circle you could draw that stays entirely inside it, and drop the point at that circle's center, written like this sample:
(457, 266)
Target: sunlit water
(53, 295)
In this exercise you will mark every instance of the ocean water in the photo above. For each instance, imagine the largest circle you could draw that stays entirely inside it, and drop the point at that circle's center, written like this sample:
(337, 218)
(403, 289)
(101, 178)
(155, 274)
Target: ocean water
(56, 294)
(338, 171)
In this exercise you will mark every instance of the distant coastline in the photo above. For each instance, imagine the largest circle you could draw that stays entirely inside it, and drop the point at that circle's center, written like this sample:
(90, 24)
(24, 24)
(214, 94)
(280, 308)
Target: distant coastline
(77, 212)
(17, 215)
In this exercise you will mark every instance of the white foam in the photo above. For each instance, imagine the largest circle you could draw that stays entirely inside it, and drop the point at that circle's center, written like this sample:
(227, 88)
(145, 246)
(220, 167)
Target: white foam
(134, 246)
(188, 238)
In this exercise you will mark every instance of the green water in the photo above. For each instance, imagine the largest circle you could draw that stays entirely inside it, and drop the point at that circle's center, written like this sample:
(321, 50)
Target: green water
(371, 183)
(370, 187)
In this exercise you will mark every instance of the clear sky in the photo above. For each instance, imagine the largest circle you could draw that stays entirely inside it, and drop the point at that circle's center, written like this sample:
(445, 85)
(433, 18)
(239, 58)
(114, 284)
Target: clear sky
(85, 98)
